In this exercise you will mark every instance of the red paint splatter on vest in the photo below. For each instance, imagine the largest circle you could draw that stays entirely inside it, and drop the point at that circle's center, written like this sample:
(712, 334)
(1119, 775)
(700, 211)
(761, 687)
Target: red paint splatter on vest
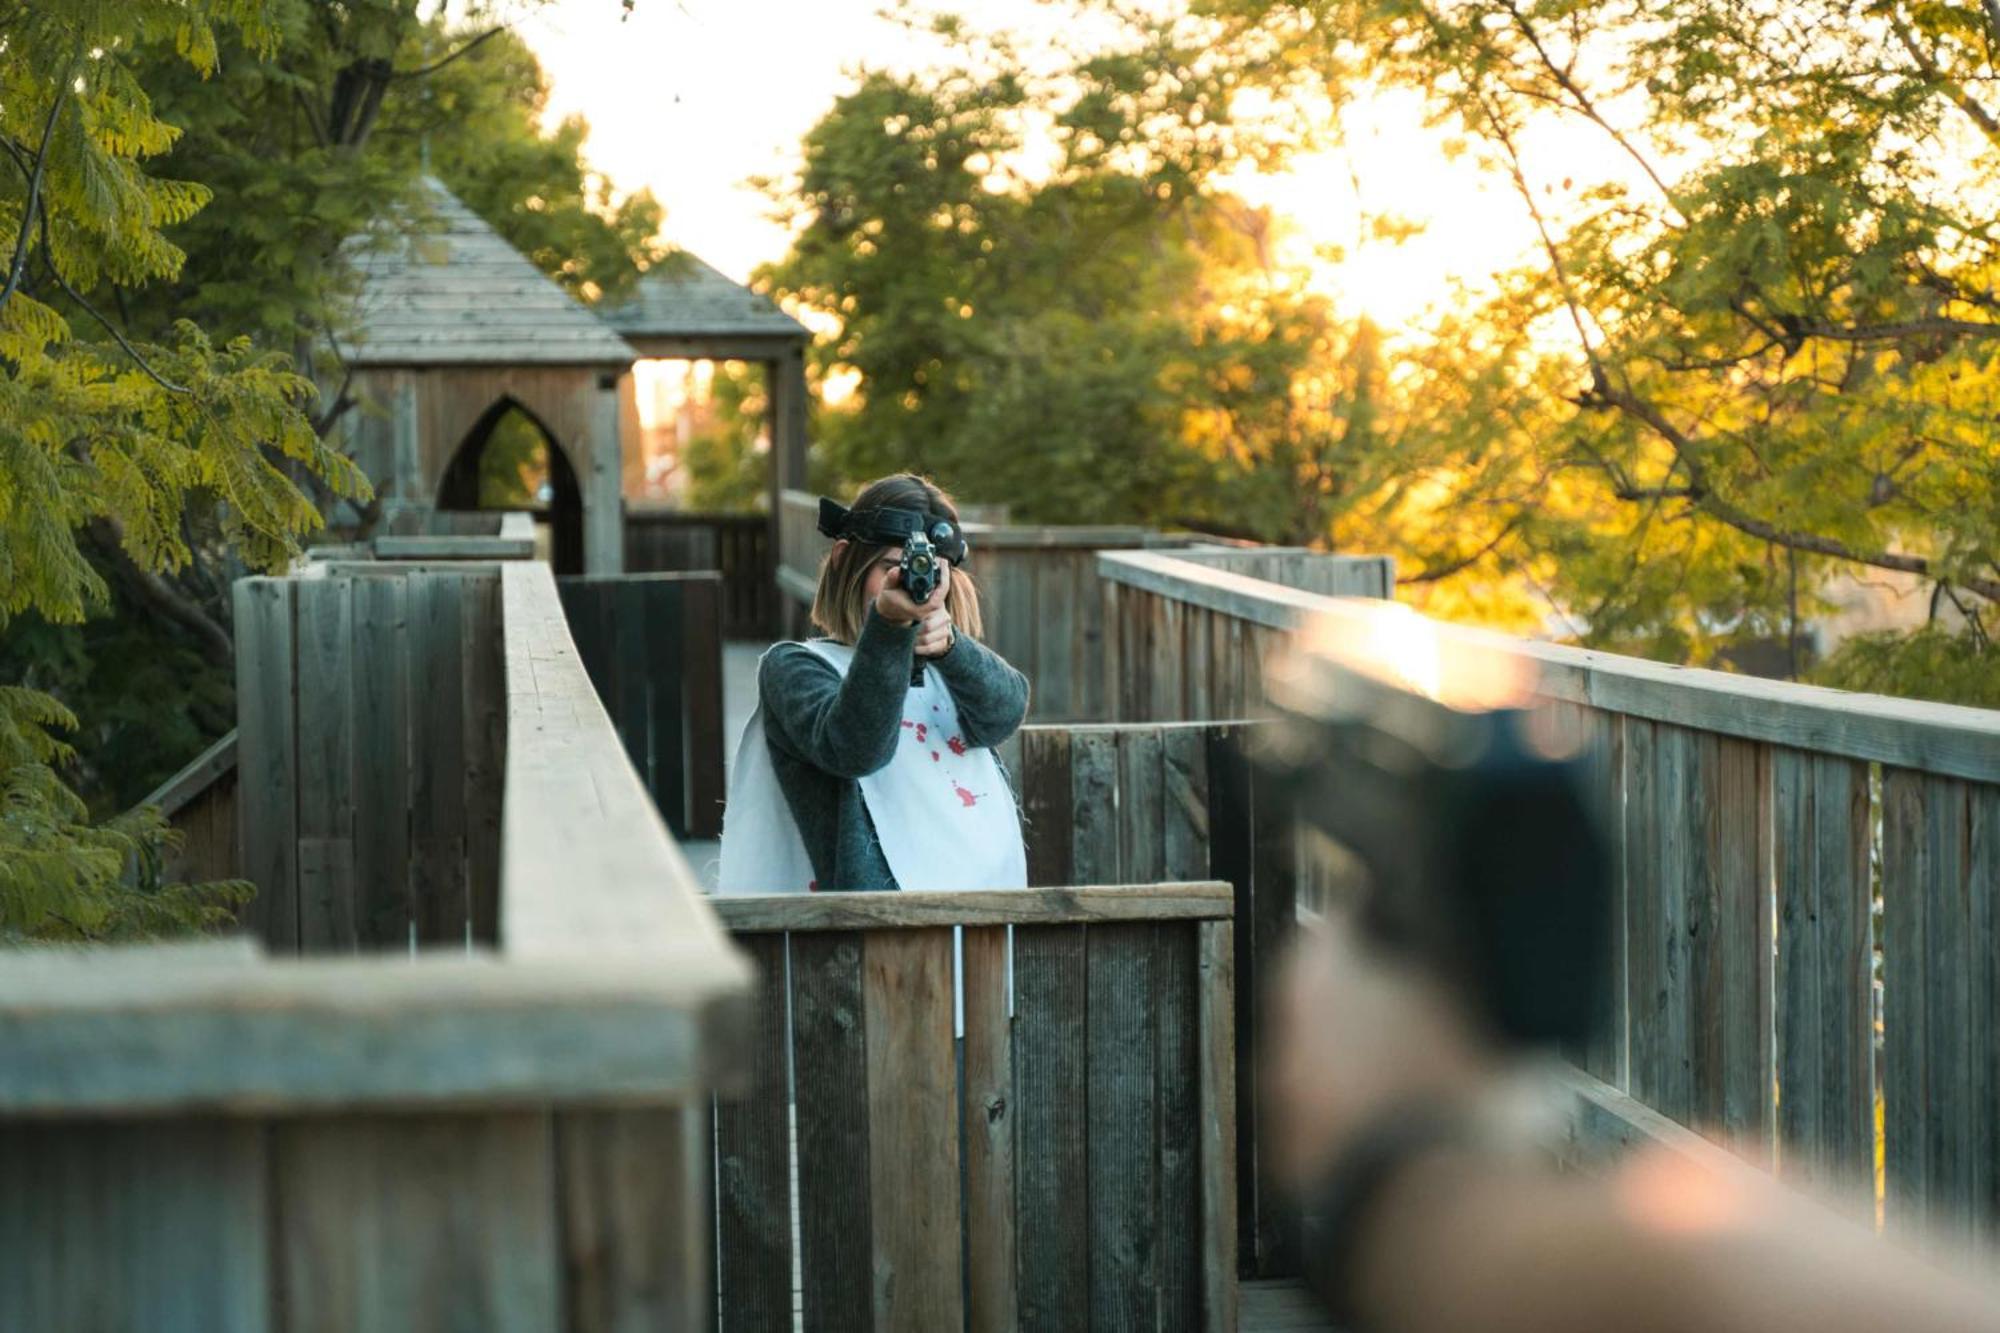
(957, 744)
(908, 723)
(965, 796)
(812, 886)
(921, 729)
(934, 756)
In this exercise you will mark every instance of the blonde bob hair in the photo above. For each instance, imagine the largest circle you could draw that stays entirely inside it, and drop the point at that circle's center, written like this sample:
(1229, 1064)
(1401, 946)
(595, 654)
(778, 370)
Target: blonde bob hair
(840, 604)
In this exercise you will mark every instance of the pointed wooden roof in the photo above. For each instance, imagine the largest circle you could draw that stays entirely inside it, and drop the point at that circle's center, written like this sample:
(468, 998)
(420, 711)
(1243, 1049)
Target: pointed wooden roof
(685, 298)
(442, 288)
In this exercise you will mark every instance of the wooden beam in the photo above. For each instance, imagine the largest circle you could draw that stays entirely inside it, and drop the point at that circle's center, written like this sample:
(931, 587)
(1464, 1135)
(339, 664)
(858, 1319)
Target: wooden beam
(588, 869)
(1946, 739)
(989, 907)
(201, 771)
(146, 1030)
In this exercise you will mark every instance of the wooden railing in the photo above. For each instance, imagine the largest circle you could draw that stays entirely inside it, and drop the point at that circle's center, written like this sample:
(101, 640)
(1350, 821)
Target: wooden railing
(1051, 613)
(1072, 1172)
(459, 535)
(1763, 824)
(512, 1134)
(738, 546)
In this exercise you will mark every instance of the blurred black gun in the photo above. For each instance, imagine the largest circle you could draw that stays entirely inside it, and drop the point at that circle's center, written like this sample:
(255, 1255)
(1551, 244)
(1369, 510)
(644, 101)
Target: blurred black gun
(1485, 857)
(920, 580)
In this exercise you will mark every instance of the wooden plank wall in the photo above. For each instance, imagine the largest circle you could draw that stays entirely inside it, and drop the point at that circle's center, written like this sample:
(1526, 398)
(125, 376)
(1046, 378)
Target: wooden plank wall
(653, 646)
(1166, 660)
(1125, 803)
(1040, 596)
(1071, 1174)
(1302, 569)
(1044, 613)
(526, 1218)
(672, 541)
(199, 804)
(371, 739)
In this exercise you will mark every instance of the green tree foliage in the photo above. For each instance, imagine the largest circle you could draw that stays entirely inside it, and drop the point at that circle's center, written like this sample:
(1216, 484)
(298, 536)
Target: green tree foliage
(98, 430)
(728, 461)
(304, 129)
(1780, 322)
(1103, 340)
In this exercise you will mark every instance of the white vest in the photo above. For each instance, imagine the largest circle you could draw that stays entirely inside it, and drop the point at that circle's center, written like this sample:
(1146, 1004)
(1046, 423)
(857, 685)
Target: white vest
(942, 810)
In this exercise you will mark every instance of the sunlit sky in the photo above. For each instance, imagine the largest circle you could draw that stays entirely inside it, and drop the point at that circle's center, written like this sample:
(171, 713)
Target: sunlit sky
(691, 98)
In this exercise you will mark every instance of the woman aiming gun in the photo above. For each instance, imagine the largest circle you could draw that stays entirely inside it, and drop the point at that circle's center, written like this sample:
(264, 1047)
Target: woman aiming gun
(869, 763)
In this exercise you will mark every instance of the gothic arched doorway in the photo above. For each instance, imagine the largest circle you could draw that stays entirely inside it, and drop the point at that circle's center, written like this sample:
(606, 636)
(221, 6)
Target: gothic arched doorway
(508, 460)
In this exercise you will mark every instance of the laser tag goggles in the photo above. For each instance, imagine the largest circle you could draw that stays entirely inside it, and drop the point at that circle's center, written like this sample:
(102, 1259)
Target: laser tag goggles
(886, 526)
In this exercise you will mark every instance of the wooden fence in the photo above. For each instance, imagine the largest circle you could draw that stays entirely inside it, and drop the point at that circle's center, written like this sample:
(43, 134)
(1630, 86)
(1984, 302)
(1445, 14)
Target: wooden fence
(1764, 826)
(1139, 803)
(653, 646)
(507, 1137)
(1072, 1172)
(199, 804)
(739, 546)
(1038, 589)
(372, 729)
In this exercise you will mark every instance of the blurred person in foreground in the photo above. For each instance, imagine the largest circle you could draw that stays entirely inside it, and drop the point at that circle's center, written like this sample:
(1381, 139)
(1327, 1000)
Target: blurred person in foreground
(1393, 1060)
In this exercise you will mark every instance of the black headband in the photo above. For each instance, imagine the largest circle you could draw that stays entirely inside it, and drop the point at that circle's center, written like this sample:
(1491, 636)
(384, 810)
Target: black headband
(888, 526)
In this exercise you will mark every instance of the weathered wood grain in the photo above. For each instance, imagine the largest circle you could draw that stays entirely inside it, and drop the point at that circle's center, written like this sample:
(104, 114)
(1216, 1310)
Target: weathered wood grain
(1824, 1010)
(1178, 1261)
(1230, 850)
(439, 883)
(385, 911)
(830, 1058)
(1939, 882)
(635, 1235)
(1216, 1054)
(913, 1129)
(1141, 812)
(1056, 667)
(974, 907)
(1094, 807)
(267, 740)
(1274, 873)
(990, 1118)
(155, 1225)
(485, 731)
(1184, 803)
(441, 1221)
(326, 779)
(575, 812)
(1736, 1072)
(753, 1164)
(1047, 805)
(1050, 1081)
(1122, 1148)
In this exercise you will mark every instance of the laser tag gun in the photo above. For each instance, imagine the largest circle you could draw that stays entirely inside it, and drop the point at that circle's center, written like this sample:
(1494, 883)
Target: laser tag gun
(925, 539)
(1467, 804)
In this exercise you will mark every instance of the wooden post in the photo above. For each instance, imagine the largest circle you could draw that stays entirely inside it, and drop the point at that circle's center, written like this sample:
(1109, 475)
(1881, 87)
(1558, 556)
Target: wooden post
(785, 377)
(603, 486)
